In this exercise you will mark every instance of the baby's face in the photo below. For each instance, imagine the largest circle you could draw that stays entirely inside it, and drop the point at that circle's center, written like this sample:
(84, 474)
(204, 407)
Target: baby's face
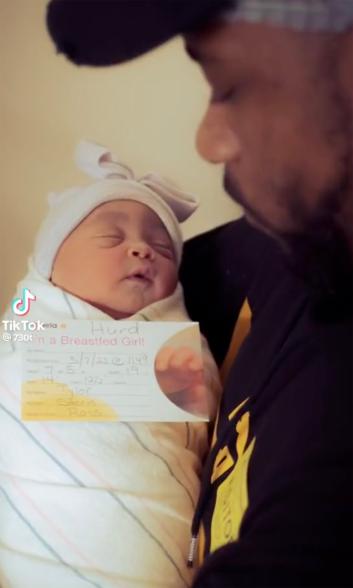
(120, 258)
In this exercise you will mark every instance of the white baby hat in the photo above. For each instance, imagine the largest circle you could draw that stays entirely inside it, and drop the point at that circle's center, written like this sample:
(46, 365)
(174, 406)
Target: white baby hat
(115, 181)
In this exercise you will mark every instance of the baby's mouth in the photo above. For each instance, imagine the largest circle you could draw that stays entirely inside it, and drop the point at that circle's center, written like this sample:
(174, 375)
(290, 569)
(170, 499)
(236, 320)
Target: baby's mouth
(140, 277)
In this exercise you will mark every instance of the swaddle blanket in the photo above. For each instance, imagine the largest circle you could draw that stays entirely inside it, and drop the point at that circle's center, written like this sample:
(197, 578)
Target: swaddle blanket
(104, 505)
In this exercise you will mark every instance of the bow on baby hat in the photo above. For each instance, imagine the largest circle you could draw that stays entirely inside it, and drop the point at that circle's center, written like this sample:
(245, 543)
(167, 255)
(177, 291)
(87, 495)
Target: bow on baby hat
(115, 181)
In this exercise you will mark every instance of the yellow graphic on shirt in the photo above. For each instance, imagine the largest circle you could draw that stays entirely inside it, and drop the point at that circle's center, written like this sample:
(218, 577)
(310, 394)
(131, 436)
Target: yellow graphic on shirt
(232, 494)
(46, 400)
(224, 460)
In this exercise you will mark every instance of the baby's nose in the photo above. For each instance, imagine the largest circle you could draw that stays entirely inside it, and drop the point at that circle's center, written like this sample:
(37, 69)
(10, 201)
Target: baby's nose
(141, 250)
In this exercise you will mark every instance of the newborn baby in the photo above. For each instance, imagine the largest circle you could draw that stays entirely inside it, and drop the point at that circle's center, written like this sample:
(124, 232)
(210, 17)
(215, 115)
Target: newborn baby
(103, 504)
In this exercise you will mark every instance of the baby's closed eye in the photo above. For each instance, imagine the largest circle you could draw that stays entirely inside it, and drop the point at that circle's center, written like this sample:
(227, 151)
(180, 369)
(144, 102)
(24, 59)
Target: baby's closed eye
(109, 239)
(165, 249)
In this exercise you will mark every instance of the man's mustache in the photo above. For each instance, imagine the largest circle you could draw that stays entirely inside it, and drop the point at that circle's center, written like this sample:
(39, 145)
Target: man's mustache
(232, 188)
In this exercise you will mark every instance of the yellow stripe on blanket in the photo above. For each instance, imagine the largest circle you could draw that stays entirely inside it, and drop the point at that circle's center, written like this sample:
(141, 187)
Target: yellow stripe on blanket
(47, 400)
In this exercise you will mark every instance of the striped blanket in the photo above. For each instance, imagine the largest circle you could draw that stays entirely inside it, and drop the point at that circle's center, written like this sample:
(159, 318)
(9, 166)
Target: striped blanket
(107, 505)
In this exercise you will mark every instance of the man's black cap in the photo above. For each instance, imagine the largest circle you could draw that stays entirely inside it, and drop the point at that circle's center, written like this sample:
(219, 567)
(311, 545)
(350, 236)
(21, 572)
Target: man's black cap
(105, 32)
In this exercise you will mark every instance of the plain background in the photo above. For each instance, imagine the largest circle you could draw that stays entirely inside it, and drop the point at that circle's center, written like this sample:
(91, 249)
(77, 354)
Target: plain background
(146, 111)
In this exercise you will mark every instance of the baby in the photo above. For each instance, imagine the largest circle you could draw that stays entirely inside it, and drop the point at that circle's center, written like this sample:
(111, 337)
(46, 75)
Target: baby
(107, 505)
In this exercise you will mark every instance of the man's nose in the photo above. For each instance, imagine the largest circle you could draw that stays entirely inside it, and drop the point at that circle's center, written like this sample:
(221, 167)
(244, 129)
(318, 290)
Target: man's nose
(216, 141)
(141, 250)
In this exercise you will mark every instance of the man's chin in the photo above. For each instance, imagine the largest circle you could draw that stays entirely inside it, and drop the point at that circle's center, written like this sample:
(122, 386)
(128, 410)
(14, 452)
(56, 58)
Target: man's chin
(254, 218)
(260, 226)
(321, 258)
(319, 255)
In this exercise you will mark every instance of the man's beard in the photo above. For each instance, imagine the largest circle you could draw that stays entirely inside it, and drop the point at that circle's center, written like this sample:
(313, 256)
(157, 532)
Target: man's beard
(321, 257)
(318, 254)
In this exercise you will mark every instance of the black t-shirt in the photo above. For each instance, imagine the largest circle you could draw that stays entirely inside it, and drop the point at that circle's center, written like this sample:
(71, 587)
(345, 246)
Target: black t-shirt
(217, 271)
(276, 500)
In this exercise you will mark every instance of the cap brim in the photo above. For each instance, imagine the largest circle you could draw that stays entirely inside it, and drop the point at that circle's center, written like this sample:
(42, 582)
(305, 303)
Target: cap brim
(106, 32)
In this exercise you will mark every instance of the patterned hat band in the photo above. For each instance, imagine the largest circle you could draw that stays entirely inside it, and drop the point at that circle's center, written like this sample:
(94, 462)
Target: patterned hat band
(300, 15)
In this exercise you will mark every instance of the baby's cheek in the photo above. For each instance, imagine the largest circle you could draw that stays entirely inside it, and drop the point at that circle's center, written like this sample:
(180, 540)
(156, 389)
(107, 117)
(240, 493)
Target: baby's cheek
(169, 280)
(63, 272)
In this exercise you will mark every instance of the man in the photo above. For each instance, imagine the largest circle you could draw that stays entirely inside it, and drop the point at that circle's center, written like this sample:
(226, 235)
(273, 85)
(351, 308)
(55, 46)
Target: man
(275, 509)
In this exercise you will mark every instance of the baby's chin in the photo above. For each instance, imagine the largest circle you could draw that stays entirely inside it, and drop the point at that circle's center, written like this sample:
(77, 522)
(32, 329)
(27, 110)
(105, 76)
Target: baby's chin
(113, 312)
(124, 311)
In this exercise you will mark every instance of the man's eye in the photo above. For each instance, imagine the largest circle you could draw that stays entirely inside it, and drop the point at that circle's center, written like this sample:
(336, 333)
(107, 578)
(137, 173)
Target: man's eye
(219, 96)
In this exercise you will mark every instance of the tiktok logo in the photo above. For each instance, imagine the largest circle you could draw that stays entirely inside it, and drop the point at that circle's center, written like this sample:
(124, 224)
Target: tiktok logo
(21, 306)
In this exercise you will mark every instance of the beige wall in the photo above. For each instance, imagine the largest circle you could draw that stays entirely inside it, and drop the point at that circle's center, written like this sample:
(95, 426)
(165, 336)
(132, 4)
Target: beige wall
(146, 111)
